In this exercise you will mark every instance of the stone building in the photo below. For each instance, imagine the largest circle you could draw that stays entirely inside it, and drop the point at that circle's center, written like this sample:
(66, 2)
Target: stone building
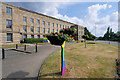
(17, 23)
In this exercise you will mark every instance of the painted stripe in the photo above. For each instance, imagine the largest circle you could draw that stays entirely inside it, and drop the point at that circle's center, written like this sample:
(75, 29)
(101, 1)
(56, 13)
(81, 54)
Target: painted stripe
(63, 45)
(63, 64)
(63, 70)
(63, 51)
(63, 58)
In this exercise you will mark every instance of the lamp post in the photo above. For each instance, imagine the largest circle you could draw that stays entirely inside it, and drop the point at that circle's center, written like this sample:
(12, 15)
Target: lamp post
(109, 38)
(95, 33)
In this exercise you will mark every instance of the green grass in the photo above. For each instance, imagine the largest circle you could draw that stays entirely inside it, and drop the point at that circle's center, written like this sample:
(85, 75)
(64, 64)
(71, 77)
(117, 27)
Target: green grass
(95, 61)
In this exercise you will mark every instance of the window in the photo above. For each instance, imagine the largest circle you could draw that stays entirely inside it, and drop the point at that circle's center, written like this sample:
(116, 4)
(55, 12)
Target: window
(24, 28)
(48, 30)
(9, 37)
(32, 20)
(48, 23)
(8, 23)
(24, 19)
(38, 21)
(53, 24)
(43, 30)
(63, 26)
(56, 25)
(52, 30)
(9, 10)
(25, 36)
(32, 29)
(56, 30)
(60, 25)
(38, 29)
(43, 22)
(38, 36)
(32, 36)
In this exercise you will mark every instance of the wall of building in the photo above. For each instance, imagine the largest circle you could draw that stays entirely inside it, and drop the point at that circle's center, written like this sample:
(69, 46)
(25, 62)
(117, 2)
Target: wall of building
(17, 24)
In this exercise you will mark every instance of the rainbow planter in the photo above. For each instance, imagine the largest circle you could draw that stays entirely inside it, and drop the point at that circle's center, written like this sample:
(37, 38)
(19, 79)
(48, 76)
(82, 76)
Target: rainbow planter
(45, 39)
(71, 38)
(55, 40)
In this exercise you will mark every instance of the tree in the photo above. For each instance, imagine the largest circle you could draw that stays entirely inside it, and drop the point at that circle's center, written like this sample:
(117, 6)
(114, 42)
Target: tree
(90, 36)
(106, 35)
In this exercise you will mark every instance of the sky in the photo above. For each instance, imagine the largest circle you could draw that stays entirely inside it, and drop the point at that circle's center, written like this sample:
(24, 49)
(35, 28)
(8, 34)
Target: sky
(99, 15)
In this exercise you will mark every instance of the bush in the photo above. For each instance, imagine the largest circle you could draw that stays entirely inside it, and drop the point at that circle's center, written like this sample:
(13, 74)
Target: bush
(33, 40)
(60, 36)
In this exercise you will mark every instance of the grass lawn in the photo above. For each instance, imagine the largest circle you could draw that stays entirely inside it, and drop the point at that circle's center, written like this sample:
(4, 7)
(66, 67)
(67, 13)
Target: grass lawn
(95, 61)
(13, 45)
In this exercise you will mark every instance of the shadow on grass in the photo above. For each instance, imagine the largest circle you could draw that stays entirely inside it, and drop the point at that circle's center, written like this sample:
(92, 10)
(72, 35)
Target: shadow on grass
(91, 43)
(52, 74)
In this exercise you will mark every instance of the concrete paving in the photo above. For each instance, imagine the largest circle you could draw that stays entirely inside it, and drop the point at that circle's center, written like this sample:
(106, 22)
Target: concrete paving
(24, 65)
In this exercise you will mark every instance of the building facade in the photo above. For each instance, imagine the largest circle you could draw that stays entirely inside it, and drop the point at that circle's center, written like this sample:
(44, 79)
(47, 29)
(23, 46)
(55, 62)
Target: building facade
(18, 23)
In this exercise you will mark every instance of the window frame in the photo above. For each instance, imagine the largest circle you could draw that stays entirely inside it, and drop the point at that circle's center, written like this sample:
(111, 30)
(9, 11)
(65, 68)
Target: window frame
(57, 25)
(38, 35)
(38, 21)
(43, 22)
(43, 31)
(11, 36)
(48, 23)
(31, 28)
(24, 19)
(39, 29)
(8, 23)
(32, 35)
(9, 9)
(32, 20)
(24, 35)
(23, 28)
(48, 30)
(53, 24)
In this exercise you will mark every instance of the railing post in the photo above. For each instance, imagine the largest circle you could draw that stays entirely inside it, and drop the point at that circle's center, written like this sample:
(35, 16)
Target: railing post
(3, 53)
(36, 47)
(16, 46)
(24, 47)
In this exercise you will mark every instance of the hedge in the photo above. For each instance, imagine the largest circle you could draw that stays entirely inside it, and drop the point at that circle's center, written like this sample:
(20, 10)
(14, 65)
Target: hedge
(33, 40)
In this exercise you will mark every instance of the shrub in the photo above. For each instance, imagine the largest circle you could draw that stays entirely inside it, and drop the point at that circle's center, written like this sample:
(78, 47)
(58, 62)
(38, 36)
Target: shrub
(33, 40)
(60, 36)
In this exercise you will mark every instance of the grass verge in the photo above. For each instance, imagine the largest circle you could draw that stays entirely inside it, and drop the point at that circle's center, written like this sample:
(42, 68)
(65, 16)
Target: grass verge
(95, 61)
(13, 45)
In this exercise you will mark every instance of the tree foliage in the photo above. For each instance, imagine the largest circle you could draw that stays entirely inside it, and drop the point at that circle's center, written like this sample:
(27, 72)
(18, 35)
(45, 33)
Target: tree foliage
(110, 35)
(90, 36)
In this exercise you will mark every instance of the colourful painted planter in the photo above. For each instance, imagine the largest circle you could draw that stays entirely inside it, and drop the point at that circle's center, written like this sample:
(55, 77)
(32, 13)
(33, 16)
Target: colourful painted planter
(55, 40)
(61, 42)
(45, 39)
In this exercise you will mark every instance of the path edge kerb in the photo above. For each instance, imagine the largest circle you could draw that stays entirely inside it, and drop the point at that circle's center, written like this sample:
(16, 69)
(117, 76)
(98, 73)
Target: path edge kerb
(38, 76)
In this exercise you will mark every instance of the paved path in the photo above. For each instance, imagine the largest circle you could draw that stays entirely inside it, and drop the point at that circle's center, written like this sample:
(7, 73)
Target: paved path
(23, 65)
(110, 42)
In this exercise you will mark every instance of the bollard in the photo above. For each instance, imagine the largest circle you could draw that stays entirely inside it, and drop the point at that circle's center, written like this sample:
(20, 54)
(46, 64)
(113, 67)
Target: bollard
(36, 48)
(3, 53)
(24, 47)
(16, 46)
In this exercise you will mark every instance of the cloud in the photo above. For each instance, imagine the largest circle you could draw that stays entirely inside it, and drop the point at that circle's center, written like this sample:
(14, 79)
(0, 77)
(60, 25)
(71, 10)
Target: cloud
(89, 21)
(110, 6)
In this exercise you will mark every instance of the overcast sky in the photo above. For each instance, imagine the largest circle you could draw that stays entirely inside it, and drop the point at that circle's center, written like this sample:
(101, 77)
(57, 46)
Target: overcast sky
(87, 14)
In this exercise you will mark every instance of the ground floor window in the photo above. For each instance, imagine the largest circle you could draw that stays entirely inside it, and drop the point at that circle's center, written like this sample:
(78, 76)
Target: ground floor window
(9, 37)
(32, 36)
(38, 36)
(25, 36)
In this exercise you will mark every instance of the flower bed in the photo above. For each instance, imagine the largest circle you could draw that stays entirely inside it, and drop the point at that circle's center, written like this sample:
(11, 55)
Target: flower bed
(55, 38)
